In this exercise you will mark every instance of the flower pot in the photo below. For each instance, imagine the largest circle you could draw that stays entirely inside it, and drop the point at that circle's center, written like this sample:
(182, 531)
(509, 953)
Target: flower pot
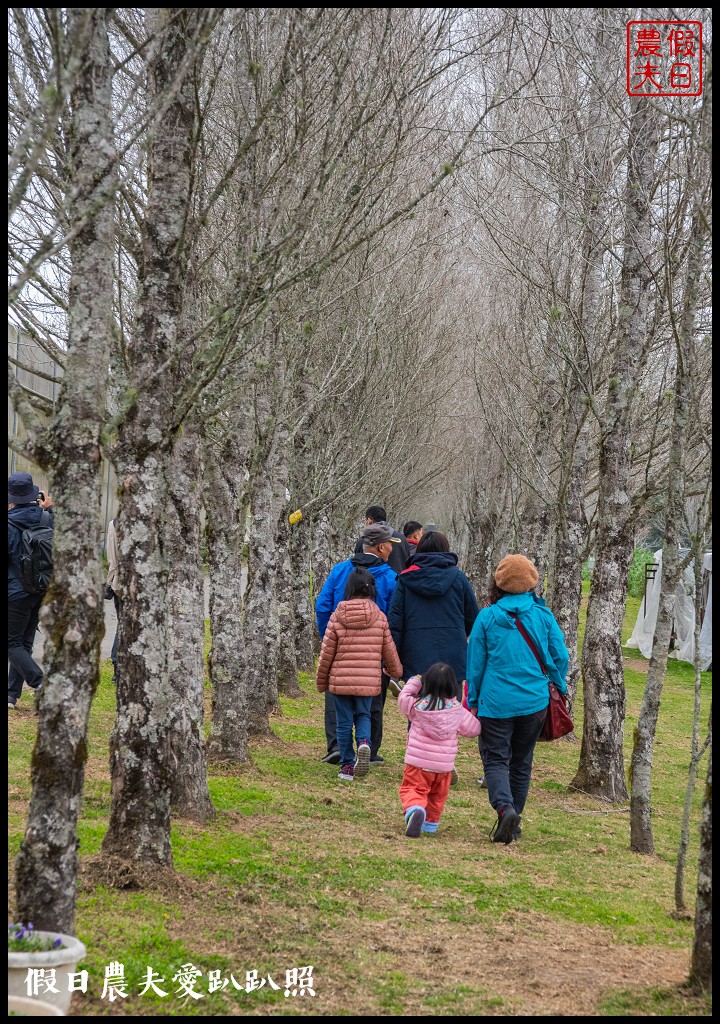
(62, 961)
(24, 1007)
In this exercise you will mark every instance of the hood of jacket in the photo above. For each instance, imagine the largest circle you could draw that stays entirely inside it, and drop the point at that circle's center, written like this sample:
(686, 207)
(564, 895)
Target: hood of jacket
(431, 573)
(359, 613)
(366, 561)
(26, 515)
(441, 725)
(515, 603)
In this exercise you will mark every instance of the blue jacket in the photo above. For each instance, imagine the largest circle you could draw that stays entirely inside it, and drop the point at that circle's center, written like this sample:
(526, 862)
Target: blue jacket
(333, 591)
(24, 516)
(504, 678)
(432, 613)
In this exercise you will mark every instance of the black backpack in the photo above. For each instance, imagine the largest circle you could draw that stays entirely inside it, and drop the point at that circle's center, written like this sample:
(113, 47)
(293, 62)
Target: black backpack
(36, 563)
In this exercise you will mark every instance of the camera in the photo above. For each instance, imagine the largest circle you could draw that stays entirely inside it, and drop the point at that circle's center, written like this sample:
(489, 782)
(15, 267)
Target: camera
(40, 497)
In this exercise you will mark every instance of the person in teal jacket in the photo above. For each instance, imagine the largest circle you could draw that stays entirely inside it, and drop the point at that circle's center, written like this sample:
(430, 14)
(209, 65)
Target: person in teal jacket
(507, 688)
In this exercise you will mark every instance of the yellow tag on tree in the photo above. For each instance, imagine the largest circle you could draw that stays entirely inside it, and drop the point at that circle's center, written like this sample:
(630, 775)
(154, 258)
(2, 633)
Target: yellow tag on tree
(295, 517)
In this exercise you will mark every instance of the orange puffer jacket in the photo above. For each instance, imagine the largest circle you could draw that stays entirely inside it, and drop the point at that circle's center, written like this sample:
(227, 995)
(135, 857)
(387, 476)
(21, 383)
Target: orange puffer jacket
(356, 642)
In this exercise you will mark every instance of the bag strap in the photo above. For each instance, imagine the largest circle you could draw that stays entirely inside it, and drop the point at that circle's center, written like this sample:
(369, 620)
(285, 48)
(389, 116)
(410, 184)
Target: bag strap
(526, 637)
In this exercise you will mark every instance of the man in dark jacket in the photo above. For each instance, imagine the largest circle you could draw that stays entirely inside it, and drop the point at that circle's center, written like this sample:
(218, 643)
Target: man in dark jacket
(401, 549)
(25, 509)
(377, 542)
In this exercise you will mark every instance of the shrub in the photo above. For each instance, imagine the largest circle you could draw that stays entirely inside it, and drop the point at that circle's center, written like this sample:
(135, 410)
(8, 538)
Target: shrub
(636, 575)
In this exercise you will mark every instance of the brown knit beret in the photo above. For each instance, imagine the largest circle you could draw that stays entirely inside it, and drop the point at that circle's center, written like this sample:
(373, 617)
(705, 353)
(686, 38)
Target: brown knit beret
(516, 574)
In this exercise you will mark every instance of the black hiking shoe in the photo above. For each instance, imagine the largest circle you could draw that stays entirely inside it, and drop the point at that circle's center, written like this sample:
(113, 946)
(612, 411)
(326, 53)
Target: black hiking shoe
(504, 828)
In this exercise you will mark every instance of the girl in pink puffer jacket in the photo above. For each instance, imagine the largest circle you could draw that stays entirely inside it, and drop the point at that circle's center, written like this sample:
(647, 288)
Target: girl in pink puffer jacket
(436, 718)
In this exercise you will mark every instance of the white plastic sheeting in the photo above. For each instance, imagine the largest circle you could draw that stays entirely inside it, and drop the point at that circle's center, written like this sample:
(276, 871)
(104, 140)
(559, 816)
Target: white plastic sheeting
(684, 626)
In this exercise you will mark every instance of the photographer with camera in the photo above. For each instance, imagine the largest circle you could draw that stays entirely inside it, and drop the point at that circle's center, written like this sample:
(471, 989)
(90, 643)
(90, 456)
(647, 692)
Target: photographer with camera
(30, 528)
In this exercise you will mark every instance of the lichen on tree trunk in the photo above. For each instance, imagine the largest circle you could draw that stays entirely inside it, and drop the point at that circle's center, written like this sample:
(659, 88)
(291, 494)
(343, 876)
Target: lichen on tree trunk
(72, 615)
(701, 962)
(185, 605)
(225, 526)
(142, 761)
(601, 769)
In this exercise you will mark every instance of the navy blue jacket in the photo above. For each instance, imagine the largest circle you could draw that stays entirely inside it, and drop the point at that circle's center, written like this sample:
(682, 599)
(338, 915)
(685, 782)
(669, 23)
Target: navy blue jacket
(24, 516)
(432, 613)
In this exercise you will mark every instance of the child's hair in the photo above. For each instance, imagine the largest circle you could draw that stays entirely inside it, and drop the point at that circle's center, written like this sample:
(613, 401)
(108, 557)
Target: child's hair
(360, 583)
(438, 683)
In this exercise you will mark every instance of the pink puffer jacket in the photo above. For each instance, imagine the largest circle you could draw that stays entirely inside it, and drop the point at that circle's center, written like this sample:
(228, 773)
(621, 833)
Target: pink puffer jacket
(356, 642)
(432, 740)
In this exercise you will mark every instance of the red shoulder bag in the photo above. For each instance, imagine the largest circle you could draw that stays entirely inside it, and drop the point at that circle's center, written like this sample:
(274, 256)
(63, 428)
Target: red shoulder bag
(557, 721)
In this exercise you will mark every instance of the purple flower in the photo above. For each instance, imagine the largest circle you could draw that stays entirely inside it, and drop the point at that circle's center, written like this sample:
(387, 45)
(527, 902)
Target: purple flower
(57, 943)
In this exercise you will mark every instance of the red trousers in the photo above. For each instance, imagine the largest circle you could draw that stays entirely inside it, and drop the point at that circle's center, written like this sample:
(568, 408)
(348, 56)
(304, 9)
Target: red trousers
(421, 788)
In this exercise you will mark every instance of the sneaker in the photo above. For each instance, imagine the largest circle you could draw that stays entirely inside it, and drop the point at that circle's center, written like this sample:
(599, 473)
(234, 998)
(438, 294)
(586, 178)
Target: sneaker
(482, 783)
(362, 761)
(430, 828)
(332, 758)
(395, 686)
(504, 828)
(415, 819)
(454, 778)
(377, 760)
(347, 773)
(518, 831)
(11, 704)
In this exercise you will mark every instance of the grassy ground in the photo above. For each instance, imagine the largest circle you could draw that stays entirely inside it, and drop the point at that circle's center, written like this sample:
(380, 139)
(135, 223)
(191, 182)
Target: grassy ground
(300, 869)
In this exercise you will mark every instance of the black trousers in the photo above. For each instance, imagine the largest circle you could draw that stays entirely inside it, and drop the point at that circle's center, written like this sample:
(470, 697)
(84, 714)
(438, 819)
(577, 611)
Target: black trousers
(376, 717)
(22, 626)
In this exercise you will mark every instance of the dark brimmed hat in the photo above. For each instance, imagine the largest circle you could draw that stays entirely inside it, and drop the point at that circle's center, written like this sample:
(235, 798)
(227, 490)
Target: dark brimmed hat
(378, 533)
(21, 489)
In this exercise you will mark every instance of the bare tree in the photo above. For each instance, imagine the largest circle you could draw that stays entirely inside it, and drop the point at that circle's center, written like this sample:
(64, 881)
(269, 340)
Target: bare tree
(684, 316)
(69, 446)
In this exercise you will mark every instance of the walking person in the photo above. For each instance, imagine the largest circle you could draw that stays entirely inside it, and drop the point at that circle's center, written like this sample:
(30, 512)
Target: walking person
(508, 689)
(433, 609)
(376, 515)
(28, 510)
(412, 531)
(436, 717)
(377, 542)
(357, 641)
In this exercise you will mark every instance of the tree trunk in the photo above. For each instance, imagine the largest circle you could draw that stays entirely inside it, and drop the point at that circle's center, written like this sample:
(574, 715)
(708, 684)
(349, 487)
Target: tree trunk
(261, 618)
(142, 763)
(73, 615)
(641, 838)
(601, 769)
(225, 532)
(287, 652)
(696, 751)
(186, 612)
(701, 962)
(566, 576)
(301, 597)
